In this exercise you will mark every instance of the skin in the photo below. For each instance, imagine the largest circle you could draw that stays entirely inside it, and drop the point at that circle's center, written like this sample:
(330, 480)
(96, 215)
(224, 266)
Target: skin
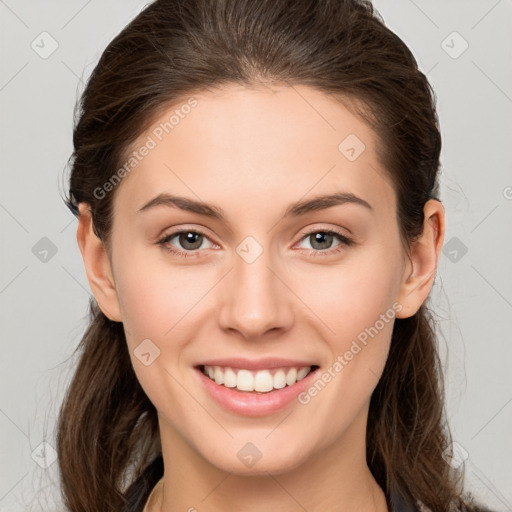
(253, 152)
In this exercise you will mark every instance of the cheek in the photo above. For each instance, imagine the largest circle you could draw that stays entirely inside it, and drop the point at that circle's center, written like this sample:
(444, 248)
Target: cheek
(362, 301)
(353, 295)
(358, 306)
(151, 295)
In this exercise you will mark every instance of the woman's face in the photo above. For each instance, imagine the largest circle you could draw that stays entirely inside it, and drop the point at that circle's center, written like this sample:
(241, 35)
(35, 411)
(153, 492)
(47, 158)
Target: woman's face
(260, 282)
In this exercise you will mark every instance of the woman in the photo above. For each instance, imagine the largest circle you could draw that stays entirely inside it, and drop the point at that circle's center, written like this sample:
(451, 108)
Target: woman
(257, 198)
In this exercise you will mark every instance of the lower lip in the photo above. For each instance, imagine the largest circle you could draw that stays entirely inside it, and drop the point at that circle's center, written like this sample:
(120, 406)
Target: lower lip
(252, 404)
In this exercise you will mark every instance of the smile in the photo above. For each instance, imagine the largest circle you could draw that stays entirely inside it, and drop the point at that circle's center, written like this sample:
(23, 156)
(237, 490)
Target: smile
(259, 391)
(261, 381)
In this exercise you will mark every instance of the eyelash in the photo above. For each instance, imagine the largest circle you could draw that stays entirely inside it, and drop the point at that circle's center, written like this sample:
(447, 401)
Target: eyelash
(345, 242)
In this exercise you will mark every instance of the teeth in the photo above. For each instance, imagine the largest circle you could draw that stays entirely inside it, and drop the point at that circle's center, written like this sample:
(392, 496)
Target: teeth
(279, 379)
(291, 377)
(230, 379)
(302, 373)
(261, 381)
(244, 380)
(218, 375)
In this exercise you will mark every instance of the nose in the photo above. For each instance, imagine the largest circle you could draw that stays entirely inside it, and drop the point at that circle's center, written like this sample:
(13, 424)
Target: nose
(255, 297)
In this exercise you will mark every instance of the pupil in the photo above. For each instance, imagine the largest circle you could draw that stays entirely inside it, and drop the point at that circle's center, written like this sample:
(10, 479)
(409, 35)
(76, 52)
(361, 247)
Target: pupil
(324, 244)
(188, 238)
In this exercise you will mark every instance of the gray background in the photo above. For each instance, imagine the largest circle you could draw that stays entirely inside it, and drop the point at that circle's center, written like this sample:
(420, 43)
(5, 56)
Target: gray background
(44, 295)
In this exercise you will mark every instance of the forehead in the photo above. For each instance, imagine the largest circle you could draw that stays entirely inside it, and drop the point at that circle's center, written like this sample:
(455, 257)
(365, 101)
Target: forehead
(256, 147)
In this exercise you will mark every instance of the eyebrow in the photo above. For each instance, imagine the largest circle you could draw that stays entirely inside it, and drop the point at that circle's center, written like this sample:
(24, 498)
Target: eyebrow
(294, 210)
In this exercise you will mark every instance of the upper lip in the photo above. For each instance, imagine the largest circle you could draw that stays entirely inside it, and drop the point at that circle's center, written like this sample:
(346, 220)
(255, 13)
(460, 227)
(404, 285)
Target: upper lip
(256, 364)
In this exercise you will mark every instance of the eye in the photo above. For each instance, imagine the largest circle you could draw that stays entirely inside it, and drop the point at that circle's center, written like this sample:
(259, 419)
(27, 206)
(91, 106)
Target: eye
(321, 241)
(188, 239)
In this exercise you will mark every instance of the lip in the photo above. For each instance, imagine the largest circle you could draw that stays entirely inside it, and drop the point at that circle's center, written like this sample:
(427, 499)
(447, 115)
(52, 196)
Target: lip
(251, 404)
(265, 363)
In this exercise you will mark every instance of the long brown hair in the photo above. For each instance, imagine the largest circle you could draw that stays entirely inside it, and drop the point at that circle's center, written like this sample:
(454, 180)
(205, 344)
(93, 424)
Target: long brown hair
(107, 428)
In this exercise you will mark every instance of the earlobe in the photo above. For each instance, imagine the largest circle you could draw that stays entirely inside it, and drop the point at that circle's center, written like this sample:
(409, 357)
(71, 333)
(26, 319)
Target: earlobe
(424, 254)
(97, 265)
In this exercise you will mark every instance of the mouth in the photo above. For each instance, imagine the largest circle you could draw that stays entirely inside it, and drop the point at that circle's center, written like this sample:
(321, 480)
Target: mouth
(255, 387)
(258, 382)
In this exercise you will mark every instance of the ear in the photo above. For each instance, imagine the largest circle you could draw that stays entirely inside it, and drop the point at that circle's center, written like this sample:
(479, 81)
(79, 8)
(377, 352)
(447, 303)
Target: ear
(423, 256)
(97, 265)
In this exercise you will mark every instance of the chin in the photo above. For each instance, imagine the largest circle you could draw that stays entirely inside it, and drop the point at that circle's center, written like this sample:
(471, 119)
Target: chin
(247, 460)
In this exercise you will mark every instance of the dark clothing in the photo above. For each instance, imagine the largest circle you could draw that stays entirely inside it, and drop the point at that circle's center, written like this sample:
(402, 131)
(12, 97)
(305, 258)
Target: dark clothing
(138, 493)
